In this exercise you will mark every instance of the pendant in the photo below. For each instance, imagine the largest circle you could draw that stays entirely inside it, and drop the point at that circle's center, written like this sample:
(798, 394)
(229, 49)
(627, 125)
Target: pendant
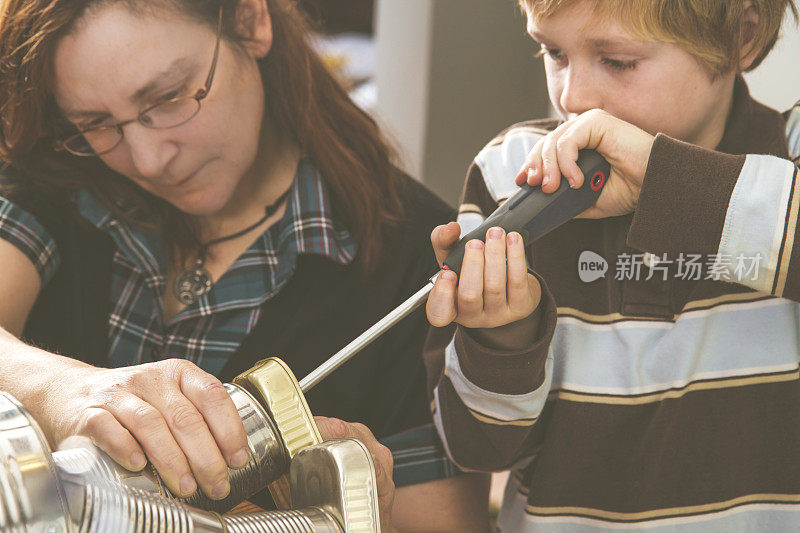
(192, 283)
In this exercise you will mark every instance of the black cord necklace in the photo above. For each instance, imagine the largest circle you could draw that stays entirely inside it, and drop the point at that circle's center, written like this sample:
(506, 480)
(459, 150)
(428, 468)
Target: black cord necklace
(195, 281)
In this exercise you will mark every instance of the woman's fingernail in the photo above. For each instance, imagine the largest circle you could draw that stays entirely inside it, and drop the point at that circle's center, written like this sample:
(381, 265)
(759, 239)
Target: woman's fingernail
(545, 181)
(449, 275)
(240, 458)
(513, 237)
(137, 460)
(495, 233)
(476, 244)
(571, 182)
(188, 485)
(531, 172)
(221, 489)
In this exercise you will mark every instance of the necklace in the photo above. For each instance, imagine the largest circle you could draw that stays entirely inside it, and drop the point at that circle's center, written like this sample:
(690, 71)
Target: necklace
(195, 281)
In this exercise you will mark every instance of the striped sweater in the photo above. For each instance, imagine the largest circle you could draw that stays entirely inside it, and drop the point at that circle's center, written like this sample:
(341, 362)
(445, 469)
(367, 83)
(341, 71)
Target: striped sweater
(664, 392)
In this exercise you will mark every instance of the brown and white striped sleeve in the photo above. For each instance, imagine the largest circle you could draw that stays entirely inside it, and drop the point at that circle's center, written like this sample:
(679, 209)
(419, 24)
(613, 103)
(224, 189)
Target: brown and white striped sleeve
(730, 208)
(488, 387)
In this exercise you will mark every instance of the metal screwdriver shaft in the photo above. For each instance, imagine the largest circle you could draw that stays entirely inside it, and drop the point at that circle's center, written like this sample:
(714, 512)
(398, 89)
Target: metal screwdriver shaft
(360, 342)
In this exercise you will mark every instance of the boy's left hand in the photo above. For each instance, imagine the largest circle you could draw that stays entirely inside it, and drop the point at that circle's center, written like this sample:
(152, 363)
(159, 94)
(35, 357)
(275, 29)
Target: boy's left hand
(494, 287)
(625, 147)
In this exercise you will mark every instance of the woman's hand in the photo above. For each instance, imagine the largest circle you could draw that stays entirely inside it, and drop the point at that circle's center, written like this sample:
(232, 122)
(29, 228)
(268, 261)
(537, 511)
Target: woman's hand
(625, 147)
(494, 288)
(172, 412)
(333, 428)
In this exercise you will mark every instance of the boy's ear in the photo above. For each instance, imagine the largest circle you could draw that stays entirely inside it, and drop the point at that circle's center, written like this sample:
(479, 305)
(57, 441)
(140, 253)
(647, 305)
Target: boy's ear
(253, 22)
(749, 52)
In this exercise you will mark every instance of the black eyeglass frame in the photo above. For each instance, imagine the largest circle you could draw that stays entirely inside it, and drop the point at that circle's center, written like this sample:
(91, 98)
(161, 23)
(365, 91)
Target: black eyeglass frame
(61, 145)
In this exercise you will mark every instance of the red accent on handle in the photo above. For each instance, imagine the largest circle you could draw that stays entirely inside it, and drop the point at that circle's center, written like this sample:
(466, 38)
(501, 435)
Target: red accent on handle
(596, 184)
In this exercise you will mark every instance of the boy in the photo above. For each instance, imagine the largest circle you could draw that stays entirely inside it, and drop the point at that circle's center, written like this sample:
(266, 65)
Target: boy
(666, 393)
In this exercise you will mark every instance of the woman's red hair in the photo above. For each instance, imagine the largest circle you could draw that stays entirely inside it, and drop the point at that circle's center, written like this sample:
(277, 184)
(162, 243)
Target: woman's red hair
(304, 101)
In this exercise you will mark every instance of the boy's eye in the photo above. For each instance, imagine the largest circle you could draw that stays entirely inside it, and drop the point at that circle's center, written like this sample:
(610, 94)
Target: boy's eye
(618, 64)
(553, 53)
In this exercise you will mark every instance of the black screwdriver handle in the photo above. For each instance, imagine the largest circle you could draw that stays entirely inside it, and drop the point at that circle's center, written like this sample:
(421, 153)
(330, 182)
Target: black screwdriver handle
(532, 213)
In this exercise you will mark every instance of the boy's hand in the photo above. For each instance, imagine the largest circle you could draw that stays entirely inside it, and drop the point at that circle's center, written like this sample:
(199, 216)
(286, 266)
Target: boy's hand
(494, 289)
(625, 147)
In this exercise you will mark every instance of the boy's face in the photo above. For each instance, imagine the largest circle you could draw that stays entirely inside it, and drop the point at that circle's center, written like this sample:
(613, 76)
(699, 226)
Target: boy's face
(652, 84)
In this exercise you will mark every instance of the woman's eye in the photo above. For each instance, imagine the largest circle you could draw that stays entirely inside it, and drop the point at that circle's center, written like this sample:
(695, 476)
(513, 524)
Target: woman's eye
(618, 64)
(169, 96)
(95, 123)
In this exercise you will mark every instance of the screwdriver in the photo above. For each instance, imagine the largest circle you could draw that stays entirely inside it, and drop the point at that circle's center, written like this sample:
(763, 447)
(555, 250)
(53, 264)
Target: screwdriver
(530, 212)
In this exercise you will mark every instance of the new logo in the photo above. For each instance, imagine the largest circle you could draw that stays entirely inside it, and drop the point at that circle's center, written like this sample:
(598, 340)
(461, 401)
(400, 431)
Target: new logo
(591, 266)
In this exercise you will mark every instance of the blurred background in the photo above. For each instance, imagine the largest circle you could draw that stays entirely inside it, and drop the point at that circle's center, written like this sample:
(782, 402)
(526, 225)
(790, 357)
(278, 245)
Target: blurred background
(441, 76)
(444, 76)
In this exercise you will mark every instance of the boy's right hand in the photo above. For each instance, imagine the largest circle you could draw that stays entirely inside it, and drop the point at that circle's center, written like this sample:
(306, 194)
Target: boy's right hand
(170, 412)
(623, 145)
(494, 288)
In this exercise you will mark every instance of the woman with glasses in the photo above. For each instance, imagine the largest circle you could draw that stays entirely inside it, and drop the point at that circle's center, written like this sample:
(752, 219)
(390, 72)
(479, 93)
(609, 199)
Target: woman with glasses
(187, 191)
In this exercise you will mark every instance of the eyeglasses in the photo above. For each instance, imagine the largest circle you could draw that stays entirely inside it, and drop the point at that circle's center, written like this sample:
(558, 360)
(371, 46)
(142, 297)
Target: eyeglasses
(170, 113)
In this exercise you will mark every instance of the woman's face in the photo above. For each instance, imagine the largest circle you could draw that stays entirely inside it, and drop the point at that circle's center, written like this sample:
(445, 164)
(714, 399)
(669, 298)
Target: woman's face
(116, 63)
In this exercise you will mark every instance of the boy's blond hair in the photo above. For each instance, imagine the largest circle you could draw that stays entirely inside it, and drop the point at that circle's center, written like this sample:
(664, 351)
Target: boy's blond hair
(713, 31)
